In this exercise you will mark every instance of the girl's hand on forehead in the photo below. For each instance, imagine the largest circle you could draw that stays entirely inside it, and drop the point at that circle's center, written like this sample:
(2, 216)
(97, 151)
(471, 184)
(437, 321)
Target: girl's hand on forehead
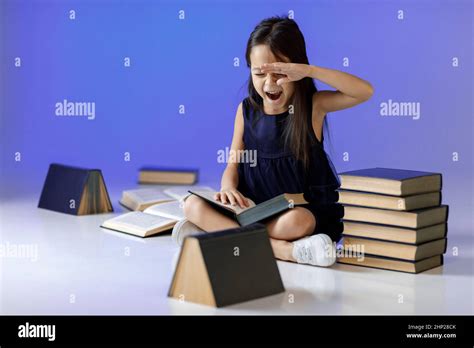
(292, 71)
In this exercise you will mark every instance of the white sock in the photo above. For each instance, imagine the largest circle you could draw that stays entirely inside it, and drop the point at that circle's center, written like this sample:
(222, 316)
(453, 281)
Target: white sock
(184, 228)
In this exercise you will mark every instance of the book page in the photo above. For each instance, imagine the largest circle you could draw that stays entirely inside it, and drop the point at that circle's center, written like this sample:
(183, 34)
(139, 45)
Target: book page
(170, 210)
(181, 192)
(138, 220)
(236, 208)
(147, 195)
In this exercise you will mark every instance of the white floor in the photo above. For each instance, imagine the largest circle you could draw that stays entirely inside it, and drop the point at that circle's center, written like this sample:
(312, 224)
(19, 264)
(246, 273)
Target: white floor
(75, 267)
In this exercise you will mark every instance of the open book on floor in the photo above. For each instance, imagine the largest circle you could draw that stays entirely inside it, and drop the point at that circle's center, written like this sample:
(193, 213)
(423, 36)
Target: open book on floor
(155, 219)
(140, 199)
(255, 212)
(181, 192)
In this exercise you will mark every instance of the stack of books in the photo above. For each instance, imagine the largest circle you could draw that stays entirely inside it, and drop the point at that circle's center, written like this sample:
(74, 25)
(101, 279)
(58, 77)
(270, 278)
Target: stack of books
(393, 219)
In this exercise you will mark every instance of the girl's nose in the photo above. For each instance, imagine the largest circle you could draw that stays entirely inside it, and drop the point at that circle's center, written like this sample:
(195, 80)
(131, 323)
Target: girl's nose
(271, 79)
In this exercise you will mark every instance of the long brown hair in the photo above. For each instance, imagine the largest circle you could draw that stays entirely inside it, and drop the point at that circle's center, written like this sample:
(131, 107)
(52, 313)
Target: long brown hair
(284, 38)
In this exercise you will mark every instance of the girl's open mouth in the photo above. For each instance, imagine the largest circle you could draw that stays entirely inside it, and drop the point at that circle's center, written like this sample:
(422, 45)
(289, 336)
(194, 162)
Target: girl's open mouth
(274, 95)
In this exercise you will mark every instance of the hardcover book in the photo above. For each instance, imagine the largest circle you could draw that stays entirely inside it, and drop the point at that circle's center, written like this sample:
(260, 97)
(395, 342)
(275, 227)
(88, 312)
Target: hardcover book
(75, 191)
(161, 175)
(392, 264)
(226, 267)
(412, 219)
(254, 213)
(390, 181)
(403, 251)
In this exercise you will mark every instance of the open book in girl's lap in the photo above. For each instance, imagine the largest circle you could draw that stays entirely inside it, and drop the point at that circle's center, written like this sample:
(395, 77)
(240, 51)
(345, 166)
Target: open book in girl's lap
(254, 212)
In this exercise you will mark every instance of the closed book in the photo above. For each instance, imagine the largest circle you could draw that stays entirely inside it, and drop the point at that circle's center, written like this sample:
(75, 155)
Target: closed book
(163, 175)
(393, 233)
(375, 200)
(226, 267)
(403, 251)
(75, 191)
(411, 219)
(254, 213)
(391, 264)
(391, 181)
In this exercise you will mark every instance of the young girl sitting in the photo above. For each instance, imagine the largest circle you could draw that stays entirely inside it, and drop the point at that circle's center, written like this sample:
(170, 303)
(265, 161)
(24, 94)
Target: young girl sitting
(282, 120)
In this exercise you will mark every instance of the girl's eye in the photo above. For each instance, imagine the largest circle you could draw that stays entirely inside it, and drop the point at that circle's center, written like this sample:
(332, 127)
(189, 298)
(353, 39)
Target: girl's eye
(276, 75)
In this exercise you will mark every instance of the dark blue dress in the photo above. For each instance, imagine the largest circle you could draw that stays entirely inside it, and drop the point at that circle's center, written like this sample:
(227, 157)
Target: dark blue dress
(278, 171)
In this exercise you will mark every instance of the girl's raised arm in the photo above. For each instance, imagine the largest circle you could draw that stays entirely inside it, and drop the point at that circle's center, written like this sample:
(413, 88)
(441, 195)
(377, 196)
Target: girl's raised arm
(351, 90)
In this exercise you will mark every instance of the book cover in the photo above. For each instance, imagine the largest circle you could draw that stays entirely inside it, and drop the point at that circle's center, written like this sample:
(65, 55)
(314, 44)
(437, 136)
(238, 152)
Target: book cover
(388, 173)
(391, 181)
(250, 270)
(74, 190)
(254, 213)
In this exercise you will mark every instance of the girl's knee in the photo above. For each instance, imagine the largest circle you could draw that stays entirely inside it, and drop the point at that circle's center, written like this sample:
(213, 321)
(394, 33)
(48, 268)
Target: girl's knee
(294, 224)
(304, 220)
(193, 206)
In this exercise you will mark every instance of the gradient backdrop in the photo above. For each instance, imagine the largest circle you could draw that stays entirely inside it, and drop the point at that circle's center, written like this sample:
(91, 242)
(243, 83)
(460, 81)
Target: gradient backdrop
(422, 55)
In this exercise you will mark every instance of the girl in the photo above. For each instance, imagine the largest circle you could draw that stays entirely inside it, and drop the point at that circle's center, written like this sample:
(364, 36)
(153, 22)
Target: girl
(282, 119)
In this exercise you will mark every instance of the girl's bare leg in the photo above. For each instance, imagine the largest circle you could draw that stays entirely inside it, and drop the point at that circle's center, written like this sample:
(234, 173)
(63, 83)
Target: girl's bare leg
(282, 249)
(204, 216)
(291, 225)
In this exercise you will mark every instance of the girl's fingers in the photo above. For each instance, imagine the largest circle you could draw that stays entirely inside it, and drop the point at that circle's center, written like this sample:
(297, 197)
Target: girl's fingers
(282, 81)
(247, 203)
(223, 198)
(274, 67)
(273, 70)
(277, 65)
(245, 200)
(239, 199)
(231, 198)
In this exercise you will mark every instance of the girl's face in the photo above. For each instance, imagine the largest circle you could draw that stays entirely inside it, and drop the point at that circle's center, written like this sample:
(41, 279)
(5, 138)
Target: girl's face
(276, 99)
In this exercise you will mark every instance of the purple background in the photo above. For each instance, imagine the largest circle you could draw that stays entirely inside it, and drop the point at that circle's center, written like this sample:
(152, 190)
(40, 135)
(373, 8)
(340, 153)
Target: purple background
(190, 62)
